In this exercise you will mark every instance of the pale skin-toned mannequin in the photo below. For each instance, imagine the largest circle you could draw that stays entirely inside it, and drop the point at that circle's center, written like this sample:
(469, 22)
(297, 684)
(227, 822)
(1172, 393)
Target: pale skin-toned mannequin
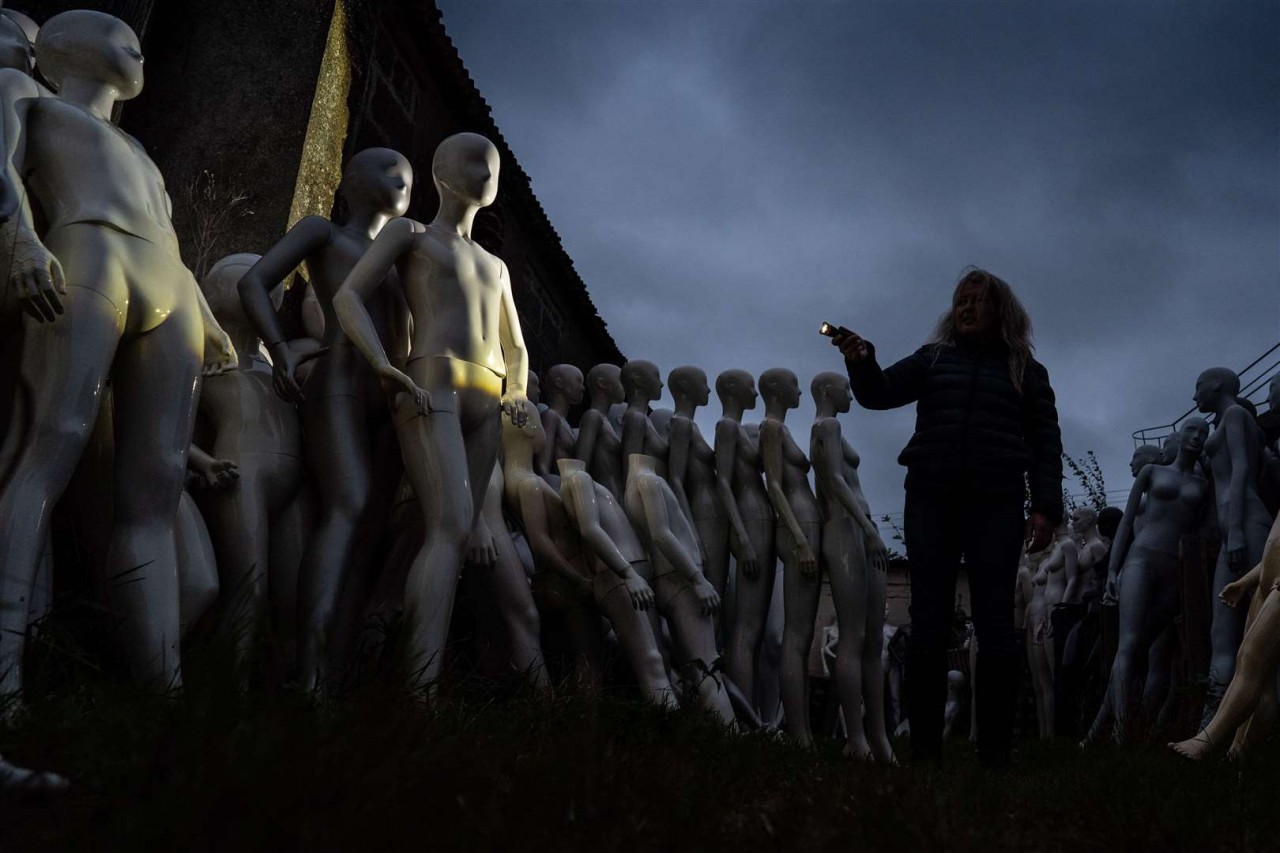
(1059, 568)
(105, 291)
(343, 406)
(855, 559)
(258, 527)
(642, 384)
(1143, 575)
(684, 597)
(619, 563)
(466, 342)
(1037, 623)
(1234, 454)
(786, 473)
(1249, 703)
(557, 549)
(1091, 548)
(599, 444)
(562, 387)
(740, 482)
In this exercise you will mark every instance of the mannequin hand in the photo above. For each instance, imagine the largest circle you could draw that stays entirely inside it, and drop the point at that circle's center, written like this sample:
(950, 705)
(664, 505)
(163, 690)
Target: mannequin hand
(749, 563)
(708, 598)
(1109, 595)
(219, 475)
(9, 200)
(1236, 551)
(421, 398)
(514, 405)
(284, 371)
(35, 276)
(853, 347)
(877, 554)
(1039, 532)
(808, 562)
(219, 353)
(641, 594)
(1233, 593)
(481, 550)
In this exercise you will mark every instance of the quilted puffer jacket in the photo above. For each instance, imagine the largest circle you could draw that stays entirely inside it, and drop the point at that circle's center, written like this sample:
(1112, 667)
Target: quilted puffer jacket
(975, 434)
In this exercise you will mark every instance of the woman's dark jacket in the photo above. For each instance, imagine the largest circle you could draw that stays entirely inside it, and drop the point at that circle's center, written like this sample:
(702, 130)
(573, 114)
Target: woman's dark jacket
(975, 434)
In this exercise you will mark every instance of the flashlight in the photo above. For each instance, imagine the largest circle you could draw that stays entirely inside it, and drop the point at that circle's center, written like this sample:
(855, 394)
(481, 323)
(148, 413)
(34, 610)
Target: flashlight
(832, 331)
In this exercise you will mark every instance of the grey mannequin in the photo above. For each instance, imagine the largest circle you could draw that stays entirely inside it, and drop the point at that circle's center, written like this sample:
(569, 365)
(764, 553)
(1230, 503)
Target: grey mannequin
(1234, 454)
(259, 527)
(1091, 548)
(343, 407)
(1169, 451)
(1059, 566)
(1147, 454)
(599, 444)
(692, 475)
(1145, 566)
(108, 242)
(563, 387)
(740, 481)
(618, 584)
(642, 384)
(684, 597)
(466, 345)
(786, 473)
(855, 560)
(1037, 624)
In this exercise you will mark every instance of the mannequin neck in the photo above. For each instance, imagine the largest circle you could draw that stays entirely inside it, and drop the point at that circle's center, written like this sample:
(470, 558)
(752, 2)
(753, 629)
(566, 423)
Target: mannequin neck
(558, 403)
(456, 215)
(367, 222)
(824, 408)
(1186, 460)
(601, 404)
(732, 409)
(96, 97)
(639, 400)
(775, 410)
(685, 407)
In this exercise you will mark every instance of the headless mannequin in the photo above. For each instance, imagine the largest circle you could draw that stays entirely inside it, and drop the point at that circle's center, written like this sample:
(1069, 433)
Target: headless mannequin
(562, 583)
(855, 560)
(1234, 453)
(343, 408)
(619, 565)
(598, 444)
(466, 342)
(563, 388)
(1145, 567)
(683, 595)
(108, 242)
(786, 472)
(1249, 703)
(642, 385)
(692, 475)
(258, 527)
(740, 481)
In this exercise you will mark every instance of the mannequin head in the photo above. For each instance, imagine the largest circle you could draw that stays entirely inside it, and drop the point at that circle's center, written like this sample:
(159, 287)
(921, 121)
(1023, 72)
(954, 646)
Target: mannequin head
(737, 386)
(90, 46)
(641, 380)
(1170, 450)
(565, 384)
(689, 387)
(29, 27)
(465, 167)
(221, 291)
(533, 388)
(377, 181)
(1191, 437)
(1145, 455)
(780, 386)
(1083, 520)
(1216, 390)
(1273, 394)
(1109, 521)
(15, 50)
(833, 389)
(604, 384)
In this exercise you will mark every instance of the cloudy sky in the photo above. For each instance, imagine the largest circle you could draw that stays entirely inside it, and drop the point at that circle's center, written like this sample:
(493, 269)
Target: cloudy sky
(726, 175)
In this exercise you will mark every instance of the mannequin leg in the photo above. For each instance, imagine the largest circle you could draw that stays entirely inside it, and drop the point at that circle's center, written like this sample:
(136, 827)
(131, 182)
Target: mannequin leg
(508, 588)
(1148, 604)
(239, 525)
(800, 599)
(769, 662)
(291, 528)
(713, 532)
(694, 635)
(1226, 630)
(197, 565)
(155, 383)
(635, 635)
(846, 565)
(873, 669)
(753, 594)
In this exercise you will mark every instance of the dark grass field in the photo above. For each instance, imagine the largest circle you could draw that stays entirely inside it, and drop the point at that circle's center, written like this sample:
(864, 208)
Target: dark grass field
(216, 768)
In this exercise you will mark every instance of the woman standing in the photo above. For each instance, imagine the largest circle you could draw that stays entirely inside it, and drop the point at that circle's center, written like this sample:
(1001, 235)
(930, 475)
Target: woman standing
(985, 417)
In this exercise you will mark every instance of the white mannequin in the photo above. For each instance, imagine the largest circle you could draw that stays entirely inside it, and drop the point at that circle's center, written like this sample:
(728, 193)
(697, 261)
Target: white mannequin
(599, 444)
(855, 559)
(786, 472)
(955, 684)
(1091, 546)
(1059, 568)
(642, 384)
(684, 596)
(108, 242)
(1037, 624)
(466, 342)
(563, 387)
(342, 404)
(619, 565)
(740, 481)
(1234, 459)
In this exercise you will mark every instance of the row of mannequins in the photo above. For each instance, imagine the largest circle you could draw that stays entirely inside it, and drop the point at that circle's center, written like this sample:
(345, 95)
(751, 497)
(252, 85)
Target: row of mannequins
(125, 379)
(1207, 481)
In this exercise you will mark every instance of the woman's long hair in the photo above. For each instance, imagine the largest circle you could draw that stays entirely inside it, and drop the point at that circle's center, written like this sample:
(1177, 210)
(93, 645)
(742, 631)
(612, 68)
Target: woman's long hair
(1013, 325)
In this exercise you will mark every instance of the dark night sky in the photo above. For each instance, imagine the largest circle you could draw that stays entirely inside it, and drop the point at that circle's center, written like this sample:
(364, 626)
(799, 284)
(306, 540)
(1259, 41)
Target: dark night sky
(728, 174)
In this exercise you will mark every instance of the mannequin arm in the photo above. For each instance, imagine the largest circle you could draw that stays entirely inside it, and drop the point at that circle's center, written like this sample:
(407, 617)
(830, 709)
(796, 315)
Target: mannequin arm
(771, 451)
(533, 513)
(678, 464)
(664, 539)
(1233, 421)
(726, 451)
(513, 349)
(588, 433)
(1124, 533)
(542, 462)
(219, 353)
(35, 275)
(633, 430)
(587, 515)
(1071, 565)
(828, 458)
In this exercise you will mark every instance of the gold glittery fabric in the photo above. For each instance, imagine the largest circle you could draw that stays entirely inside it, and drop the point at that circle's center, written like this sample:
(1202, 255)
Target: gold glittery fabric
(320, 169)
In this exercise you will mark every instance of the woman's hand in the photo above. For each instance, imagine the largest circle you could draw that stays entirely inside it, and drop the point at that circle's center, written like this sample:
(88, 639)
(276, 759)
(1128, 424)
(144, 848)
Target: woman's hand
(1039, 532)
(852, 346)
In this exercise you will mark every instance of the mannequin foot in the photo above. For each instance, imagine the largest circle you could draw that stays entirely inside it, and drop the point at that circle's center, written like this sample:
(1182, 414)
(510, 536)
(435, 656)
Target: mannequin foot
(1194, 748)
(858, 749)
(15, 778)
